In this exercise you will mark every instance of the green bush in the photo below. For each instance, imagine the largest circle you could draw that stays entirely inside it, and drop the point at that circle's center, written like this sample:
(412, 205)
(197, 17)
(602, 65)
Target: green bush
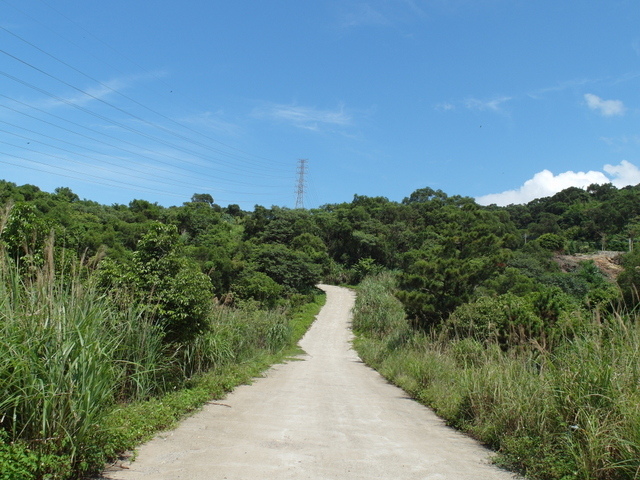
(377, 313)
(552, 242)
(172, 287)
(570, 414)
(65, 356)
(506, 319)
(293, 269)
(258, 286)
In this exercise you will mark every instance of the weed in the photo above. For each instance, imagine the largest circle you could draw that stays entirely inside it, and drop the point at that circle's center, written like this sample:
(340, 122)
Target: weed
(83, 378)
(570, 414)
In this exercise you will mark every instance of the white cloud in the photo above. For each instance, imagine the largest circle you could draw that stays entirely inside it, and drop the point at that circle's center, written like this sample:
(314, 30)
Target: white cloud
(363, 15)
(101, 90)
(309, 118)
(545, 183)
(445, 106)
(621, 140)
(98, 92)
(493, 105)
(624, 174)
(561, 86)
(213, 121)
(608, 108)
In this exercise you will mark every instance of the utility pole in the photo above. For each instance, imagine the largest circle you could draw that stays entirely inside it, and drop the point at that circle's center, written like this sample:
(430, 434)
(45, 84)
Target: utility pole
(302, 170)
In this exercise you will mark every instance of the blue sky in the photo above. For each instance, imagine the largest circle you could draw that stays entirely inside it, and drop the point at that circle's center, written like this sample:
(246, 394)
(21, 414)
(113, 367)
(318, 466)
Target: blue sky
(501, 100)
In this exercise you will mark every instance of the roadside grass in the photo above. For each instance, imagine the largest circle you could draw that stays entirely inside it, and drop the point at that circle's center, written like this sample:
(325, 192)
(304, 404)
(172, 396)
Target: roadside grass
(62, 363)
(570, 414)
(83, 380)
(301, 320)
(130, 425)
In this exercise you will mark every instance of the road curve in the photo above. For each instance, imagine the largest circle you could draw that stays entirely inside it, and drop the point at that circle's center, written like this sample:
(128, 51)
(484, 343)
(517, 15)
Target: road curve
(325, 417)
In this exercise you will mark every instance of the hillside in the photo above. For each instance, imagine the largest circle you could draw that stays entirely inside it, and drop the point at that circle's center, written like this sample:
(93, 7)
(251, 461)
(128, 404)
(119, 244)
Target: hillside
(608, 262)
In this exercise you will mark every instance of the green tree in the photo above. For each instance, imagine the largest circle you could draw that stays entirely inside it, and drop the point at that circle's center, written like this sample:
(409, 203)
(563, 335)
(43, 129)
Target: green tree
(552, 242)
(291, 268)
(461, 249)
(169, 284)
(257, 286)
(145, 210)
(66, 194)
(506, 319)
(195, 219)
(202, 198)
(629, 278)
(24, 232)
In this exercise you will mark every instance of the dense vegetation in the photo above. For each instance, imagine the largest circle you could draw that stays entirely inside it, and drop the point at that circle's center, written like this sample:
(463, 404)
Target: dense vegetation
(104, 307)
(571, 412)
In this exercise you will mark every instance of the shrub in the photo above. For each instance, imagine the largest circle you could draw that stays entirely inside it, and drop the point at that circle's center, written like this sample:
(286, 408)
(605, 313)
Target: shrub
(257, 286)
(293, 269)
(506, 319)
(377, 313)
(551, 241)
(170, 286)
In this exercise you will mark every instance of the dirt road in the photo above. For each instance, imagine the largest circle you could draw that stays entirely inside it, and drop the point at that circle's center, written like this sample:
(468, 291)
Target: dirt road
(325, 417)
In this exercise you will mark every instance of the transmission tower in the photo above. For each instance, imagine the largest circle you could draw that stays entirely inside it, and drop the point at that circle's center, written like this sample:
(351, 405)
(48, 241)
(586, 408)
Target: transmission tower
(302, 170)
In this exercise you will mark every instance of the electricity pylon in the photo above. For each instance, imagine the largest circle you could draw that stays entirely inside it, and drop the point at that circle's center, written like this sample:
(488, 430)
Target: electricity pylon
(302, 170)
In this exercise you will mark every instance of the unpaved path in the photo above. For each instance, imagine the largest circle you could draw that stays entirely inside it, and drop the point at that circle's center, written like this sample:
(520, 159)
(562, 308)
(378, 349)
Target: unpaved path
(325, 417)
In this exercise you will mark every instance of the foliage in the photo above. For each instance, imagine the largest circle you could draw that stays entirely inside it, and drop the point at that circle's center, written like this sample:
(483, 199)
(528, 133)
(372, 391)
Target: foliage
(570, 414)
(170, 286)
(68, 354)
(461, 251)
(629, 279)
(377, 312)
(62, 363)
(551, 241)
(175, 291)
(23, 232)
(364, 268)
(257, 286)
(293, 269)
(507, 320)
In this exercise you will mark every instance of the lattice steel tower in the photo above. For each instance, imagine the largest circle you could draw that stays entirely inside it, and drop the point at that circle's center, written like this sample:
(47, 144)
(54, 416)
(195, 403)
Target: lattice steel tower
(302, 170)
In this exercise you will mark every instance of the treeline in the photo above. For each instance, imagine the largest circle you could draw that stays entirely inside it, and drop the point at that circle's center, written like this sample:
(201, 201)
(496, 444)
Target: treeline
(117, 320)
(211, 285)
(445, 246)
(570, 410)
(598, 217)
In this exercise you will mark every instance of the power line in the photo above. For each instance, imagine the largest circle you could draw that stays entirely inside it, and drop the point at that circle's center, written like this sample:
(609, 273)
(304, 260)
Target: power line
(117, 92)
(121, 110)
(84, 174)
(271, 161)
(103, 160)
(117, 147)
(243, 174)
(100, 160)
(236, 163)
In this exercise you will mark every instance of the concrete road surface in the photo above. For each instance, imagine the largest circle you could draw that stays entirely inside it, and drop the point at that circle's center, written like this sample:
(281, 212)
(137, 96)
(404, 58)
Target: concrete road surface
(325, 417)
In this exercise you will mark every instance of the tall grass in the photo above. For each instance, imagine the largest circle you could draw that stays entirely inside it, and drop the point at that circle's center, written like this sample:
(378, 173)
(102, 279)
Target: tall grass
(234, 336)
(573, 413)
(63, 359)
(83, 377)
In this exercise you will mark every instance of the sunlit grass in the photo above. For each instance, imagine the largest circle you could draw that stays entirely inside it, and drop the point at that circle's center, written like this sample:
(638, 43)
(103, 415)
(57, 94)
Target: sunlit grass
(570, 413)
(82, 378)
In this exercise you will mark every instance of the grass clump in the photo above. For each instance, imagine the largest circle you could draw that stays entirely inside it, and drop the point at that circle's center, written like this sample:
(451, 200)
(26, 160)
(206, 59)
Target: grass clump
(569, 413)
(61, 364)
(84, 377)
